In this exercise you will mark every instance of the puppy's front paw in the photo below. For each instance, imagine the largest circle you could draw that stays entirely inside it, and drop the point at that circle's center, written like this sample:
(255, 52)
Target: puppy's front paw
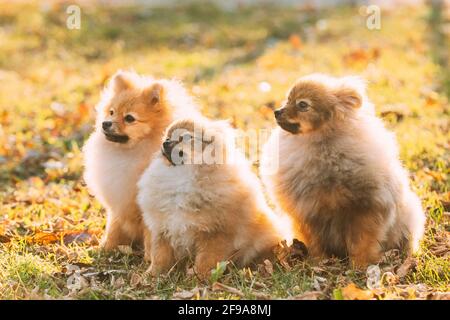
(155, 270)
(147, 256)
(114, 237)
(107, 245)
(203, 270)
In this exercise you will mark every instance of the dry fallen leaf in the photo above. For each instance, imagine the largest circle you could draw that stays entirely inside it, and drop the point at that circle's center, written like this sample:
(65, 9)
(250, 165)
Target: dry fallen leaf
(319, 283)
(268, 266)
(407, 266)
(77, 282)
(390, 279)
(391, 257)
(261, 295)
(118, 283)
(439, 296)
(217, 286)
(4, 238)
(282, 251)
(135, 280)
(186, 294)
(74, 236)
(259, 285)
(288, 256)
(310, 295)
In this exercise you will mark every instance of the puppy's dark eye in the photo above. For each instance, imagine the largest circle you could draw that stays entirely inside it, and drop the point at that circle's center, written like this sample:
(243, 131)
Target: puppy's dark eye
(111, 112)
(302, 105)
(185, 137)
(129, 118)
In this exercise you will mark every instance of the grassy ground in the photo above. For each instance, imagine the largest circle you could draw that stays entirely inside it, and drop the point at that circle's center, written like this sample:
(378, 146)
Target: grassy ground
(50, 79)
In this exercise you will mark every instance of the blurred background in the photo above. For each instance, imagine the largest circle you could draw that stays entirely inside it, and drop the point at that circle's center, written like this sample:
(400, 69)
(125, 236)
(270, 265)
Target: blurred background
(238, 58)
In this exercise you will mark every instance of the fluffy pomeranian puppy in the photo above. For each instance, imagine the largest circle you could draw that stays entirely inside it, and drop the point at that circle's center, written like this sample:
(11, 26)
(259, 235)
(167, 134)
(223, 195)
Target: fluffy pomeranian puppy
(339, 175)
(201, 200)
(132, 115)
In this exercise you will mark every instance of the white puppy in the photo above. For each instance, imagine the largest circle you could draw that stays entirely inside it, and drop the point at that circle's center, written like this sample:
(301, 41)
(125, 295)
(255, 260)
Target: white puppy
(132, 115)
(199, 202)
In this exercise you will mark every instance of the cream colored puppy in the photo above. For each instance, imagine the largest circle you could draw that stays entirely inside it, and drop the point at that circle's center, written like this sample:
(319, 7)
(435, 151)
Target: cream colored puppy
(132, 115)
(339, 175)
(200, 199)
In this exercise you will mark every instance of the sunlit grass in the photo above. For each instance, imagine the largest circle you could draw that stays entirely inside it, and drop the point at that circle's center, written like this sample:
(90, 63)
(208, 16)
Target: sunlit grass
(51, 78)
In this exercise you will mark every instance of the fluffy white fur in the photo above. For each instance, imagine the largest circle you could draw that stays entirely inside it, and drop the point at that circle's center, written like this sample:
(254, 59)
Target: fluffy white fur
(182, 201)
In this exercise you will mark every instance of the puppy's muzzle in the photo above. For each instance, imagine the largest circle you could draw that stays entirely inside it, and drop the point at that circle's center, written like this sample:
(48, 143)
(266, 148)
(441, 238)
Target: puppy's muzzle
(167, 148)
(277, 113)
(110, 135)
(293, 128)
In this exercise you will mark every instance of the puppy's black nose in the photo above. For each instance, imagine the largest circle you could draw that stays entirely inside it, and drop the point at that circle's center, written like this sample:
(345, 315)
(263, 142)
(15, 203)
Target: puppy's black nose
(106, 125)
(277, 113)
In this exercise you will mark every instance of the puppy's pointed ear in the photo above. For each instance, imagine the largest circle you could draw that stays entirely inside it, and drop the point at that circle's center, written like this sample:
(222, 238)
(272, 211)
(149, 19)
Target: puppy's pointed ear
(122, 80)
(349, 97)
(154, 93)
(351, 91)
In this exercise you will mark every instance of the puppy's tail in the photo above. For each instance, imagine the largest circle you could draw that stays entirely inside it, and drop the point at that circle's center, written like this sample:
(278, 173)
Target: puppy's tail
(414, 219)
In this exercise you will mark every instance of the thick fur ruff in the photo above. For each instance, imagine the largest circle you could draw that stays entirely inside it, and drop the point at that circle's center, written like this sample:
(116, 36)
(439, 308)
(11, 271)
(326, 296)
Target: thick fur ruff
(342, 181)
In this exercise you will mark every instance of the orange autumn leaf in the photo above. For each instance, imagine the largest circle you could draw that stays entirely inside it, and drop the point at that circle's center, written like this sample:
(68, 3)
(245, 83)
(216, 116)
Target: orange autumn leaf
(352, 292)
(432, 99)
(43, 238)
(66, 237)
(295, 41)
(438, 176)
(355, 56)
(361, 56)
(4, 117)
(83, 110)
(4, 238)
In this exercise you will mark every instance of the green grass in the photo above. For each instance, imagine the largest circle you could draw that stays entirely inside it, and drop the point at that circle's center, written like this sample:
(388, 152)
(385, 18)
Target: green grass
(51, 78)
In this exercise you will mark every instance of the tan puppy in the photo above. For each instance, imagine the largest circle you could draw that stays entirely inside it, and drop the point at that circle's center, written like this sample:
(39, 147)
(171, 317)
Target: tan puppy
(132, 115)
(339, 175)
(200, 199)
